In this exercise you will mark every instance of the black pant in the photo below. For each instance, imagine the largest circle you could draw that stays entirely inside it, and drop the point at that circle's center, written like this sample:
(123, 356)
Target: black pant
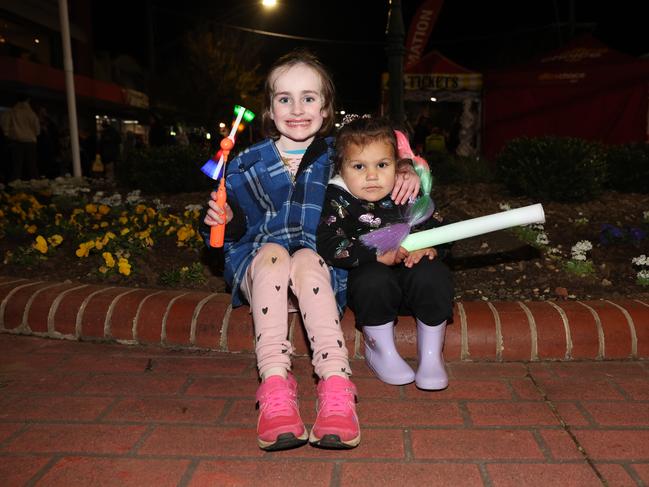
(23, 160)
(378, 293)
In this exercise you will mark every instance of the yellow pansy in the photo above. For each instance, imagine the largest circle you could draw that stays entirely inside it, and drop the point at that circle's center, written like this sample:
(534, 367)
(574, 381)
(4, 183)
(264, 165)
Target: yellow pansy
(40, 245)
(109, 236)
(91, 208)
(84, 249)
(124, 266)
(19, 211)
(146, 236)
(185, 233)
(55, 240)
(123, 220)
(108, 258)
(104, 209)
(31, 229)
(139, 209)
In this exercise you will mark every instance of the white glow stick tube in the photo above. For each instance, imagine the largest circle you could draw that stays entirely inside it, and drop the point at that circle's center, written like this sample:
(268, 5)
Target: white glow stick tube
(474, 226)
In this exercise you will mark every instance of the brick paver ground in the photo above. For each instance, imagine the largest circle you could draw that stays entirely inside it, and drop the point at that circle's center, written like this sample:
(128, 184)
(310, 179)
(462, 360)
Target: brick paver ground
(88, 414)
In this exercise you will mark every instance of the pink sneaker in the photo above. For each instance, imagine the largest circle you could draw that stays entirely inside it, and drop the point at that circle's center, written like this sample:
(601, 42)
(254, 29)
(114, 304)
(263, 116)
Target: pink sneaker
(336, 425)
(279, 426)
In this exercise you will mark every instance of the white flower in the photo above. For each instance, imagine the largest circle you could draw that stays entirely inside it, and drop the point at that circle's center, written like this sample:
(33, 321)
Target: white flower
(643, 274)
(579, 250)
(193, 207)
(645, 216)
(585, 245)
(642, 260)
(542, 239)
(505, 206)
(159, 205)
(133, 198)
(114, 200)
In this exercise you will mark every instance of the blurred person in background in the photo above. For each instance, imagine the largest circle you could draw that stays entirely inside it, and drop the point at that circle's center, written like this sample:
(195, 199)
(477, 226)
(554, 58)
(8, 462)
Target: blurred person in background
(21, 127)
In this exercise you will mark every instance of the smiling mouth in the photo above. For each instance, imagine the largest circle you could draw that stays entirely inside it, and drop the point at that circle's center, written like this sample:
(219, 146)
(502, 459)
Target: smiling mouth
(297, 123)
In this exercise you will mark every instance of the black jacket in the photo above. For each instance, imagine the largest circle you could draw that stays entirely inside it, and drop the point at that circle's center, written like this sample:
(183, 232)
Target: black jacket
(345, 218)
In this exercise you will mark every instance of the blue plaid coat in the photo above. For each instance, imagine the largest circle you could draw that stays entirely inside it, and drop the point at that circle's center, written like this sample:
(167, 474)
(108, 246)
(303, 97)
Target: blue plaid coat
(260, 188)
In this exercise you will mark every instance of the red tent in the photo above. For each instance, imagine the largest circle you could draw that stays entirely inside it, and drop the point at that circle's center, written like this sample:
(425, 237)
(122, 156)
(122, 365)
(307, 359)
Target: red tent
(435, 62)
(584, 89)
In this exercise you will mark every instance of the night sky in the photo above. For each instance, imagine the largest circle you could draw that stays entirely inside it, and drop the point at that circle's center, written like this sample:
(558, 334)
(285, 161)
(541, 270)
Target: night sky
(477, 34)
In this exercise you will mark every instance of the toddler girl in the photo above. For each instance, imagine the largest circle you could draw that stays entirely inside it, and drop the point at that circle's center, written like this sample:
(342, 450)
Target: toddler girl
(382, 286)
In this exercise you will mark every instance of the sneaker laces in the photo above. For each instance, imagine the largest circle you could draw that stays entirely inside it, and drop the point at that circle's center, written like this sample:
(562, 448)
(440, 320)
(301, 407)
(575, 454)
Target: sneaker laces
(278, 402)
(337, 400)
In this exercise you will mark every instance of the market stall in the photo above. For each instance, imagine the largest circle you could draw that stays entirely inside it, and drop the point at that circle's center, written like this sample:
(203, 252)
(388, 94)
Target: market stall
(446, 94)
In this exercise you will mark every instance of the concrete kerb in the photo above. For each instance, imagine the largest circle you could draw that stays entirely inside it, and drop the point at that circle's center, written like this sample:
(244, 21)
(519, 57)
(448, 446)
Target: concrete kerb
(482, 330)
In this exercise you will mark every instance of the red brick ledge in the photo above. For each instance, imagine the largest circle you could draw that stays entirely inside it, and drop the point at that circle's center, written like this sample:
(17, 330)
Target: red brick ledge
(482, 331)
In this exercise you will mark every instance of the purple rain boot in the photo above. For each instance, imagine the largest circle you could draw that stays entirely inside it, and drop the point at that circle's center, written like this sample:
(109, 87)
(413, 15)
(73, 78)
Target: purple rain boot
(431, 373)
(382, 356)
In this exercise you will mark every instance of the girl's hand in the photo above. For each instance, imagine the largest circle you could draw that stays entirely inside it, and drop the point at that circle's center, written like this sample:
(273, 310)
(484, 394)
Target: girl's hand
(215, 214)
(416, 255)
(406, 185)
(392, 257)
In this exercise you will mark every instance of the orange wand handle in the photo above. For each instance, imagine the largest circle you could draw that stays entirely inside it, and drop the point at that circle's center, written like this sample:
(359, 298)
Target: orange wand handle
(217, 232)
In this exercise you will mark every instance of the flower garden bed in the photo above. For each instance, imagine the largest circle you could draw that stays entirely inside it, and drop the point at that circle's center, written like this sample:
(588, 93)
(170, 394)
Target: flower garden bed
(89, 232)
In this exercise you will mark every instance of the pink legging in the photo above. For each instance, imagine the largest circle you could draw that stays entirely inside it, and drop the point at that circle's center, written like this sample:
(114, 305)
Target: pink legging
(272, 275)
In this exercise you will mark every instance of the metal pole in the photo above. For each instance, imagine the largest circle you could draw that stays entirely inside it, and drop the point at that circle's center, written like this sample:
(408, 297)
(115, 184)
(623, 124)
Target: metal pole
(395, 51)
(69, 88)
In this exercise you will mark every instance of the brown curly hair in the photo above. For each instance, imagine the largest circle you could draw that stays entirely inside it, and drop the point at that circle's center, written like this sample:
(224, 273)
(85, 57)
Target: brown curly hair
(362, 131)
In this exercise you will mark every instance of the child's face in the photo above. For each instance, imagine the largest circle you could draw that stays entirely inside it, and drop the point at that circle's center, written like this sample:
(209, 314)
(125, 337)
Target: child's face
(297, 104)
(369, 170)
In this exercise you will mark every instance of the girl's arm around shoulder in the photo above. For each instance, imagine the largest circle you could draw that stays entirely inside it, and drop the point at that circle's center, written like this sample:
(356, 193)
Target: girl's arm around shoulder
(407, 183)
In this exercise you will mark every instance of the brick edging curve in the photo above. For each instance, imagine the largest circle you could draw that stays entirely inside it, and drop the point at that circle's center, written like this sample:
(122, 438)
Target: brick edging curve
(482, 331)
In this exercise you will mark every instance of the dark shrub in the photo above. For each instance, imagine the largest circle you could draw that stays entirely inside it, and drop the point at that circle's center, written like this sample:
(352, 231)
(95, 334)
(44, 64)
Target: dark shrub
(456, 169)
(553, 168)
(628, 168)
(170, 169)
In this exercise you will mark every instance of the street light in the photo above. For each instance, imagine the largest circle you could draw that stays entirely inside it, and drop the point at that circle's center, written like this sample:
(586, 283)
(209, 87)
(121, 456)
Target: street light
(269, 3)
